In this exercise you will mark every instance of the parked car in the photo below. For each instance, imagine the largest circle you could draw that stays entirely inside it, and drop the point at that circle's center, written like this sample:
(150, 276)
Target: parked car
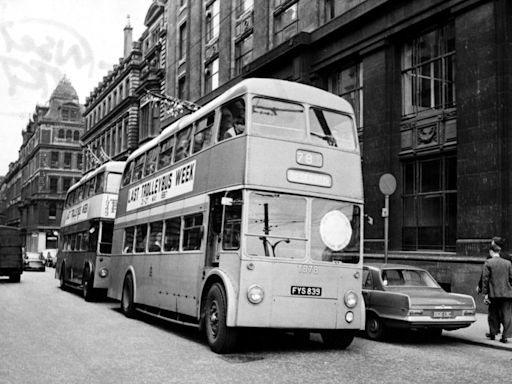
(402, 296)
(33, 261)
(49, 256)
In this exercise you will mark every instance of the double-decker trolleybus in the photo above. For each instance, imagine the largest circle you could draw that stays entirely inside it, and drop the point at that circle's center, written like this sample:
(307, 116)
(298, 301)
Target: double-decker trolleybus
(246, 214)
(86, 230)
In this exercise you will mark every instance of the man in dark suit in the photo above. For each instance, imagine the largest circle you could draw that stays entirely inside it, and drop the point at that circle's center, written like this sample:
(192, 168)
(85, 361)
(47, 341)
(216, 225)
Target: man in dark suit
(497, 290)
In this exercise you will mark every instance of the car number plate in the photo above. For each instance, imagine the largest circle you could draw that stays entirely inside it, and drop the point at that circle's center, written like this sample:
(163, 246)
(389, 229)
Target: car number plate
(442, 314)
(297, 290)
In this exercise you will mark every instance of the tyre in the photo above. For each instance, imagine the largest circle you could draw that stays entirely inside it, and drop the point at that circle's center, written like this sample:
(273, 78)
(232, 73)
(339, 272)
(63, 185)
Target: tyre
(374, 327)
(338, 338)
(221, 338)
(127, 302)
(87, 285)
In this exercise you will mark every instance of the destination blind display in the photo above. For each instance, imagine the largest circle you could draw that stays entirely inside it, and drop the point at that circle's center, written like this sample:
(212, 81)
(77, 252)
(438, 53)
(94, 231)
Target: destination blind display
(163, 187)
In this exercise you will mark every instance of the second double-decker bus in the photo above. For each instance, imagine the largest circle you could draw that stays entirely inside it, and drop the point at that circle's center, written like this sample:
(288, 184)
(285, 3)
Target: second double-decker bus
(86, 230)
(246, 214)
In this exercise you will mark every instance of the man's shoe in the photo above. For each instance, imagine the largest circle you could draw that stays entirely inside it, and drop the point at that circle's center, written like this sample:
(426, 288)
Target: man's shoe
(504, 340)
(490, 336)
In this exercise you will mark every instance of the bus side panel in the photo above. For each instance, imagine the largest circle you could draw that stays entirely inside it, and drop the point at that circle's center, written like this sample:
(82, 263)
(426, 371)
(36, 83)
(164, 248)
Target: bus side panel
(190, 266)
(161, 286)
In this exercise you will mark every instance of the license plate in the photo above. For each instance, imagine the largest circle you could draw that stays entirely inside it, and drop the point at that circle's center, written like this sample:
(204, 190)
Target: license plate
(297, 290)
(442, 314)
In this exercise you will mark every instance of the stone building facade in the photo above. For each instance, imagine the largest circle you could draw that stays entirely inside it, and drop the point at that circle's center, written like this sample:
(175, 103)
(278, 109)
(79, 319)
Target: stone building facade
(119, 114)
(50, 161)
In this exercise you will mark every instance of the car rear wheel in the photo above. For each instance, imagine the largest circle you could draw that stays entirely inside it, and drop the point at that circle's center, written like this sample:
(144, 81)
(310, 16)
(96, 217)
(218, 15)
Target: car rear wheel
(87, 285)
(127, 299)
(338, 338)
(374, 327)
(220, 337)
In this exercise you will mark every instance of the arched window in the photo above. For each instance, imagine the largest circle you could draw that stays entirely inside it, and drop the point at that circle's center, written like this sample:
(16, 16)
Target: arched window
(61, 133)
(76, 136)
(69, 134)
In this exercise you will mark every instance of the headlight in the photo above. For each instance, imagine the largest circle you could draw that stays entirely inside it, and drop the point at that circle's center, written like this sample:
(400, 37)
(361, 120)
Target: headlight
(255, 294)
(349, 316)
(350, 299)
(103, 272)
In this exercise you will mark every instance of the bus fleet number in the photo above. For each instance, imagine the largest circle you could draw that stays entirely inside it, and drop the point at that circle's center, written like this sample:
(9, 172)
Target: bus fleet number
(308, 269)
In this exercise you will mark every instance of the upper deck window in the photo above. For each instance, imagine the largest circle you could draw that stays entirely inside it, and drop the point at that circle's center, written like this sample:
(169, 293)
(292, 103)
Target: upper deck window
(278, 119)
(151, 160)
(138, 168)
(165, 156)
(203, 133)
(182, 144)
(332, 129)
(232, 119)
(127, 175)
(113, 181)
(100, 182)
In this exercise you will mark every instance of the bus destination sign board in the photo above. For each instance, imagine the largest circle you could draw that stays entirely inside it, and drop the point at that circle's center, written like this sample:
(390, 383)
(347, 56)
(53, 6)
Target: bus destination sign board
(162, 187)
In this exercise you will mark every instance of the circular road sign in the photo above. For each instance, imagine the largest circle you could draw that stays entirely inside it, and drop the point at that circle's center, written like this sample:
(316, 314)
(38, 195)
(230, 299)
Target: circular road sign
(387, 184)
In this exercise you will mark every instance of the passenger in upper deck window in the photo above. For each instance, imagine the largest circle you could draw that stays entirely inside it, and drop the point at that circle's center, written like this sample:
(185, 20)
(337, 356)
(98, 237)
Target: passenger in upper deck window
(239, 116)
(182, 149)
(226, 123)
(199, 142)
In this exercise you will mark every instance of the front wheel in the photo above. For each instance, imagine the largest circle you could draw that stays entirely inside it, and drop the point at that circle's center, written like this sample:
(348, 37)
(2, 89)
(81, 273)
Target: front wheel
(127, 301)
(220, 337)
(338, 338)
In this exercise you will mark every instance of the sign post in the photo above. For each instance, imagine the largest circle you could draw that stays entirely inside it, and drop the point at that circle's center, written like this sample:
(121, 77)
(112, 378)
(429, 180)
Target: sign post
(387, 185)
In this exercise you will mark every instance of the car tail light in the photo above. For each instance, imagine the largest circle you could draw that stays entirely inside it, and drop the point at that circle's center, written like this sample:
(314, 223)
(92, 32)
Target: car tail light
(468, 312)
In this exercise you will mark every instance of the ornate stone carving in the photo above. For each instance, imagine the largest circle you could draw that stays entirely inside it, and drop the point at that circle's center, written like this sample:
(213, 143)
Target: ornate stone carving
(427, 135)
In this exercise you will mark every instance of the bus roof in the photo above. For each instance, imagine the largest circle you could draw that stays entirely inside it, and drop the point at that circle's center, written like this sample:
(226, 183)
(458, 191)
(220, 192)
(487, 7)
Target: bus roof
(276, 88)
(110, 166)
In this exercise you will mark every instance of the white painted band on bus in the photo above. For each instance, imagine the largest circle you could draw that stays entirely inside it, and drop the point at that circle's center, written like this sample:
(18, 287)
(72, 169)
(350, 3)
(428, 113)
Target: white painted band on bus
(146, 214)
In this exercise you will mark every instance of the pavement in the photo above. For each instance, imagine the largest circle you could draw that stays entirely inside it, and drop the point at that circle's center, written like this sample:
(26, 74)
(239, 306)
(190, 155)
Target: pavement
(475, 334)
